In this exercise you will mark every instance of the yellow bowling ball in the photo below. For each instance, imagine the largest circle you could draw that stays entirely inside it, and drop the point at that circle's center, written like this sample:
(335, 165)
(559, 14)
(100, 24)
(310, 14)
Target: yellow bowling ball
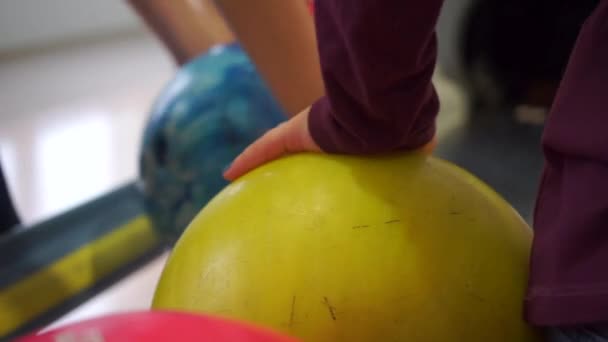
(339, 248)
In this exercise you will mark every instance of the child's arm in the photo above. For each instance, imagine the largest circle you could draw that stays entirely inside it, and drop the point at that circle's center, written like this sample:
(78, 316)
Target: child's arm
(377, 59)
(185, 29)
(569, 281)
(279, 36)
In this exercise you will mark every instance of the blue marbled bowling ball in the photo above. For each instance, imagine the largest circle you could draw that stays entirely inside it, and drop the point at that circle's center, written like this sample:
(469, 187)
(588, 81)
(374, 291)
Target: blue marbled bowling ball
(209, 112)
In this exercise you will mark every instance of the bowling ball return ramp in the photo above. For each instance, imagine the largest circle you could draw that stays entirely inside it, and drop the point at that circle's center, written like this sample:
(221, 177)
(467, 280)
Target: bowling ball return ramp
(53, 266)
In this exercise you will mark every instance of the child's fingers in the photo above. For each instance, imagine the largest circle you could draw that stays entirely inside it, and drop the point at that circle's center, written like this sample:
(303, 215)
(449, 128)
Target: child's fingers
(270, 146)
(290, 137)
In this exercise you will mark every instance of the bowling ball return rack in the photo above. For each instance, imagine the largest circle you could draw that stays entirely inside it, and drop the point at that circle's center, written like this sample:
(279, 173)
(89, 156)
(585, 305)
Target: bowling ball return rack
(53, 266)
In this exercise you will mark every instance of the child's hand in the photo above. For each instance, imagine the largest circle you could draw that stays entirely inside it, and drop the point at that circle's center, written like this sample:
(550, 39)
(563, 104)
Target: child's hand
(289, 137)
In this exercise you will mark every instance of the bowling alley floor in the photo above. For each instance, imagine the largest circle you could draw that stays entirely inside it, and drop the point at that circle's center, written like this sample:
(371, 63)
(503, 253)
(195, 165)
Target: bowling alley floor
(72, 118)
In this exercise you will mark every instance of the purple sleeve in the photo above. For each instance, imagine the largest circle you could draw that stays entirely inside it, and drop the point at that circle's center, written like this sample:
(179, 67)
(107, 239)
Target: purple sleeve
(569, 277)
(377, 59)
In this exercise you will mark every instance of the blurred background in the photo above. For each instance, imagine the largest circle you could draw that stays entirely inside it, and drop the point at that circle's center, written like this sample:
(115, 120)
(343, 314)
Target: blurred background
(88, 72)
(78, 80)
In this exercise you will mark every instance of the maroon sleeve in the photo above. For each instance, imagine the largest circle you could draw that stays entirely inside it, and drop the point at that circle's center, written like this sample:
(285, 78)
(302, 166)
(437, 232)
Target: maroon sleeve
(569, 279)
(377, 59)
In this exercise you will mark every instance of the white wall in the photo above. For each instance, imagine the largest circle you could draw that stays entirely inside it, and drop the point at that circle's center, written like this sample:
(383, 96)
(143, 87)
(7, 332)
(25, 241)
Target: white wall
(449, 30)
(26, 24)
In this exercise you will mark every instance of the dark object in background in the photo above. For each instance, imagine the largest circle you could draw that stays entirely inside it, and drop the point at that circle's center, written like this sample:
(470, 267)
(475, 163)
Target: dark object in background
(8, 215)
(501, 152)
(514, 52)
